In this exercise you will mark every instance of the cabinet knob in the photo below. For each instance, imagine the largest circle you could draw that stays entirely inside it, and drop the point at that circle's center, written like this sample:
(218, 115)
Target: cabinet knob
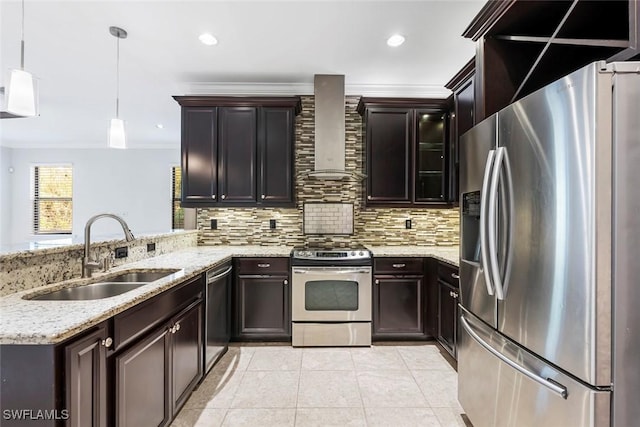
(455, 295)
(107, 342)
(263, 197)
(377, 282)
(451, 294)
(285, 281)
(224, 196)
(368, 197)
(455, 276)
(177, 327)
(213, 196)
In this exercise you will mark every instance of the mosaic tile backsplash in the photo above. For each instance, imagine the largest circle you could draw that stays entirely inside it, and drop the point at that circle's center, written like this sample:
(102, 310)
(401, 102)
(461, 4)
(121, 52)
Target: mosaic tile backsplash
(372, 226)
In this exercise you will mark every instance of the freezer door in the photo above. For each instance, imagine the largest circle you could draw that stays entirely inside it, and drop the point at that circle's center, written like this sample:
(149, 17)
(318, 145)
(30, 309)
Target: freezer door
(556, 142)
(501, 384)
(477, 151)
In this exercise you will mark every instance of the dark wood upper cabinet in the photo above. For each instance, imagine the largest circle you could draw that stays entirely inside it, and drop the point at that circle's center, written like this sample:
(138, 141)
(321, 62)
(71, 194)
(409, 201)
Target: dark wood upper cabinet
(524, 45)
(407, 151)
(237, 142)
(199, 155)
(389, 140)
(238, 151)
(463, 118)
(276, 143)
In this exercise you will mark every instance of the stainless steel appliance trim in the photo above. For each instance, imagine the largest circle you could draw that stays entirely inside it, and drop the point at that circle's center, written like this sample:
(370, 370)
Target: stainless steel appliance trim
(219, 275)
(361, 275)
(484, 247)
(332, 270)
(491, 221)
(558, 388)
(331, 334)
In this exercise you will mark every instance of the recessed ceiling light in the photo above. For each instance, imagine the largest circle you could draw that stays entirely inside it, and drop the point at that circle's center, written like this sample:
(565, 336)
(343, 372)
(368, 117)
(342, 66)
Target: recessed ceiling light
(208, 39)
(160, 126)
(395, 40)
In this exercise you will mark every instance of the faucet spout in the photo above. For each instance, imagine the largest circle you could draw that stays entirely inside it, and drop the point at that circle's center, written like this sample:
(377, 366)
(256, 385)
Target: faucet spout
(87, 264)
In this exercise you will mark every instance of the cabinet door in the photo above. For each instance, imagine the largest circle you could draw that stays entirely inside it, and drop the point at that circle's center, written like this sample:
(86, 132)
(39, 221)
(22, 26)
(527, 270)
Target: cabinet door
(186, 354)
(263, 308)
(447, 316)
(142, 382)
(86, 380)
(398, 307)
(431, 153)
(199, 155)
(389, 139)
(276, 169)
(237, 140)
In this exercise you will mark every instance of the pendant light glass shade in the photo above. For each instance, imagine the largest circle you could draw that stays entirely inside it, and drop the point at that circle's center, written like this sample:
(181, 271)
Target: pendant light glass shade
(21, 99)
(117, 138)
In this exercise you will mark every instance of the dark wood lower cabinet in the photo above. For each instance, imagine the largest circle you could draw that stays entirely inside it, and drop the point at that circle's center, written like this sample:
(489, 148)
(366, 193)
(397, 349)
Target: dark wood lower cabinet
(448, 292)
(398, 307)
(186, 354)
(86, 380)
(155, 377)
(263, 308)
(142, 382)
(448, 319)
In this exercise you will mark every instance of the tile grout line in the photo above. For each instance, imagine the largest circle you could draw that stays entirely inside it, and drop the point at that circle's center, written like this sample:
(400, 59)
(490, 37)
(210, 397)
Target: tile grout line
(355, 372)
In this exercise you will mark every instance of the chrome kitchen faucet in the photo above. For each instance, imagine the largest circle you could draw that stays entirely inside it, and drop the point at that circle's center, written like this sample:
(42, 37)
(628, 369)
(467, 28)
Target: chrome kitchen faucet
(87, 264)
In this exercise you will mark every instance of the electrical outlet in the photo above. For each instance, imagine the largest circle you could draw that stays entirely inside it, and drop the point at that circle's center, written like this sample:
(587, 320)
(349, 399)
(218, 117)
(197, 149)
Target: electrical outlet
(214, 224)
(272, 224)
(122, 252)
(151, 247)
(407, 224)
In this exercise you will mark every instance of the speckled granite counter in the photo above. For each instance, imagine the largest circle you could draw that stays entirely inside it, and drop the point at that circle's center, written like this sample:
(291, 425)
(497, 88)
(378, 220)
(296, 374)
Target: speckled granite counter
(50, 322)
(450, 254)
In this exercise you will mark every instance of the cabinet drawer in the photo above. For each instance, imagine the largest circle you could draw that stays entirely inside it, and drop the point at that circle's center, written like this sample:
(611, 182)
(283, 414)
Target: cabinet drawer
(448, 273)
(399, 265)
(136, 321)
(273, 265)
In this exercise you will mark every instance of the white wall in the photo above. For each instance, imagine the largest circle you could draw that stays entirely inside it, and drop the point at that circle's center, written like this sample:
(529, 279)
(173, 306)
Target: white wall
(5, 194)
(135, 184)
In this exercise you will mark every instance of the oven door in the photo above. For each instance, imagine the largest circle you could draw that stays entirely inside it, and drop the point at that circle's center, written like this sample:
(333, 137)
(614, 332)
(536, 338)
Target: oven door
(332, 294)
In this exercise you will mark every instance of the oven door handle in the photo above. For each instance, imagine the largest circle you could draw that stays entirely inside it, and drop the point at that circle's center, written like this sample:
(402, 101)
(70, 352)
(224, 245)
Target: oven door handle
(330, 270)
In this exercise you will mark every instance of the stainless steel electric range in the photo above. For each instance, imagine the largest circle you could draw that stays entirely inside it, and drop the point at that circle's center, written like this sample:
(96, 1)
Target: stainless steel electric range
(331, 297)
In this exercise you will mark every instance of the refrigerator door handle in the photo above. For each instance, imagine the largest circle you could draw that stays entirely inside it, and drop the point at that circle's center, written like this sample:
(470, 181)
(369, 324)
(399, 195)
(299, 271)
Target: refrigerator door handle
(484, 247)
(554, 386)
(491, 221)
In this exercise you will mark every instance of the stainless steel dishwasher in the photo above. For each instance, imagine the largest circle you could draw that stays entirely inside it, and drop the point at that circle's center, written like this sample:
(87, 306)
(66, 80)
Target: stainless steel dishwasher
(217, 327)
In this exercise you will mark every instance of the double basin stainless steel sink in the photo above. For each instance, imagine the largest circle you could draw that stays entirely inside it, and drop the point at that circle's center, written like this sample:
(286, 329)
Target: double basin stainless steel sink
(108, 286)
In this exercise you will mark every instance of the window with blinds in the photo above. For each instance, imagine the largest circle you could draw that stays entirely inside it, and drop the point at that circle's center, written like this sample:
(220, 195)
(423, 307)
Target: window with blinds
(52, 199)
(177, 219)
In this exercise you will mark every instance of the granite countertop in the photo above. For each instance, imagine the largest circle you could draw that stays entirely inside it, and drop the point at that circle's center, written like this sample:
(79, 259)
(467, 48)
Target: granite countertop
(46, 247)
(50, 322)
(449, 254)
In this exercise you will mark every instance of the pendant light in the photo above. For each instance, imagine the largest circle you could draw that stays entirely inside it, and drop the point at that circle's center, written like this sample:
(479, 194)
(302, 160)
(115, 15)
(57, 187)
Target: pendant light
(21, 94)
(117, 137)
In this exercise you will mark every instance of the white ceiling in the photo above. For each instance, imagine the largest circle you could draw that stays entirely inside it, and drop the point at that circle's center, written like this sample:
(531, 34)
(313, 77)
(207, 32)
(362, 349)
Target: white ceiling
(264, 47)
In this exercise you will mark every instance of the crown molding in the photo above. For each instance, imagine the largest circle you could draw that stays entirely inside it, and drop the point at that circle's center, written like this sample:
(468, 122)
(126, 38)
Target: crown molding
(282, 89)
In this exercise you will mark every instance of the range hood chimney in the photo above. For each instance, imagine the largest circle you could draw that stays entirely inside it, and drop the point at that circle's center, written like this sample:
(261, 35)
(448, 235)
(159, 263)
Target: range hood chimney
(329, 128)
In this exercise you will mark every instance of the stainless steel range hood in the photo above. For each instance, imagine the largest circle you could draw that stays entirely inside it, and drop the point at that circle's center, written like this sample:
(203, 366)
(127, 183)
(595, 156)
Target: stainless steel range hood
(330, 128)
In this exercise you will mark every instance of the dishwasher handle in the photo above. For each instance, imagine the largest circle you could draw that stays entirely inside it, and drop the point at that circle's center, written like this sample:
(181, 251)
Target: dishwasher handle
(211, 279)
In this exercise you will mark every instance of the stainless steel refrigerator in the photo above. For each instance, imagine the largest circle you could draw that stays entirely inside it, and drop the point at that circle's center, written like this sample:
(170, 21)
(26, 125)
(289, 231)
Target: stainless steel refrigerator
(549, 329)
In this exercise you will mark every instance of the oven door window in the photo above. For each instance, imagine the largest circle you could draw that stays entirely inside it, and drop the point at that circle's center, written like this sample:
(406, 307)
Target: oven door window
(331, 295)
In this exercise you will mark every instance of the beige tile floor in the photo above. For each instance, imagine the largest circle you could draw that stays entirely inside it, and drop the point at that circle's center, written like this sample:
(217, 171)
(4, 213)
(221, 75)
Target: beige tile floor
(277, 385)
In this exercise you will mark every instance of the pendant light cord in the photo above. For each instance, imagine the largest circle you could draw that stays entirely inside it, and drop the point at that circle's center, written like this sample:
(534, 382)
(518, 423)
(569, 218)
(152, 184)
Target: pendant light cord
(22, 40)
(117, 77)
